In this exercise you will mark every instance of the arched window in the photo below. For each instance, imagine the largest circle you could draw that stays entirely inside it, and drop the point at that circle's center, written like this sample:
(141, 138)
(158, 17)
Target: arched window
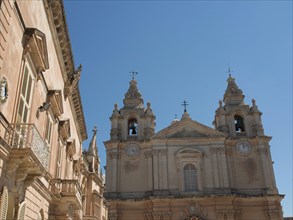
(132, 127)
(190, 178)
(239, 124)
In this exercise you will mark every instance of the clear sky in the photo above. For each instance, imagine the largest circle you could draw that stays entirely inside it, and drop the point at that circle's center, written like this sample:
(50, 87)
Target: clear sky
(182, 51)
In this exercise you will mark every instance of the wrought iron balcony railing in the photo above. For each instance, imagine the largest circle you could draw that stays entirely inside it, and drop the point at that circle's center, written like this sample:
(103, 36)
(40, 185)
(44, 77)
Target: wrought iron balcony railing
(26, 136)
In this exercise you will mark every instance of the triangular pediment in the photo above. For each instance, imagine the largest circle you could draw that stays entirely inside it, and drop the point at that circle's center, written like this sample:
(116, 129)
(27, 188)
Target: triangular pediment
(187, 129)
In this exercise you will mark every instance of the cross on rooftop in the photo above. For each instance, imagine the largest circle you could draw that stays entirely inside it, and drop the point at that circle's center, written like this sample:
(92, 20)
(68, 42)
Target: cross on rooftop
(133, 74)
(229, 71)
(184, 103)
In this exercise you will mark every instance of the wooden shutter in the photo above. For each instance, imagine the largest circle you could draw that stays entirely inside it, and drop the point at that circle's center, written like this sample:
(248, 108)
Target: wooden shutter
(21, 211)
(4, 203)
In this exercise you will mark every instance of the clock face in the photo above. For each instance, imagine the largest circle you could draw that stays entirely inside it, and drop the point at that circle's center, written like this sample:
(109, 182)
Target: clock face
(132, 150)
(243, 148)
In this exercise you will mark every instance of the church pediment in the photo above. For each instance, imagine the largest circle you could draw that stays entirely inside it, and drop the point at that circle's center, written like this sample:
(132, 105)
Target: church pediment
(187, 129)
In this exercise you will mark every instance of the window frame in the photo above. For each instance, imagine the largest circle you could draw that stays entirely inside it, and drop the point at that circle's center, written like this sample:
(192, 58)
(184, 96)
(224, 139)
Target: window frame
(49, 129)
(26, 94)
(190, 178)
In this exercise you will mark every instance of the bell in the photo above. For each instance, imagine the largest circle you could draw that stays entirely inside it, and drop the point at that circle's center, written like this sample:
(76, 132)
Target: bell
(133, 129)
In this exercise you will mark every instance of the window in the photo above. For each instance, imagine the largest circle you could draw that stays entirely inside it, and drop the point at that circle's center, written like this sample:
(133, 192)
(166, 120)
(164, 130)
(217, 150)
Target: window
(190, 178)
(21, 211)
(4, 203)
(48, 129)
(132, 127)
(239, 125)
(25, 96)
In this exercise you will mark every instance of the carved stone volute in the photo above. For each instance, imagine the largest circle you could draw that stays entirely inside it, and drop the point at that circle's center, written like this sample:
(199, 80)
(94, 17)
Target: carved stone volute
(72, 82)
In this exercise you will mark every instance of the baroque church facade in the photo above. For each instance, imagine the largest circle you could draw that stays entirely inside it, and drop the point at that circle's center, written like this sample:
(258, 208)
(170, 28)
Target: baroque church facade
(189, 171)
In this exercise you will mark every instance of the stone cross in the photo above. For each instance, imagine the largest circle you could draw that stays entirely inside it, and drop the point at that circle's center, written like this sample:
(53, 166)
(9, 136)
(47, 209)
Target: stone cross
(185, 104)
(133, 74)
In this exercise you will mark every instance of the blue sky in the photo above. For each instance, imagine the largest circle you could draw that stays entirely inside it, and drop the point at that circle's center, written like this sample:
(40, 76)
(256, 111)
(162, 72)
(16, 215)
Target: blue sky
(182, 51)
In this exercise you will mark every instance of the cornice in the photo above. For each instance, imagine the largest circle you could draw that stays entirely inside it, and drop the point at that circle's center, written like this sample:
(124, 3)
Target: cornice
(57, 21)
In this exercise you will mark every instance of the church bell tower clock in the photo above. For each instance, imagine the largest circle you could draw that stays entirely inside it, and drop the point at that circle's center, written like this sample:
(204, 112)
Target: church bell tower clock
(249, 158)
(131, 129)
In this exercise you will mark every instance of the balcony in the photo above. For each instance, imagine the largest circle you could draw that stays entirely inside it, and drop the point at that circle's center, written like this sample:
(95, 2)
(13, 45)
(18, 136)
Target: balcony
(27, 145)
(68, 191)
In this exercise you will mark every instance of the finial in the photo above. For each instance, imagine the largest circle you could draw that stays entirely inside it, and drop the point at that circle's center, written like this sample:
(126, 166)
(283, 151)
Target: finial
(220, 103)
(133, 74)
(184, 103)
(95, 130)
(79, 68)
(149, 105)
(253, 102)
(115, 106)
(229, 71)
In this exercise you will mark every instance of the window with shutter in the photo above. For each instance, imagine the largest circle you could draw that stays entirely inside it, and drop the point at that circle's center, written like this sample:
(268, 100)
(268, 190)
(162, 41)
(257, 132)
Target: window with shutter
(25, 95)
(4, 203)
(21, 211)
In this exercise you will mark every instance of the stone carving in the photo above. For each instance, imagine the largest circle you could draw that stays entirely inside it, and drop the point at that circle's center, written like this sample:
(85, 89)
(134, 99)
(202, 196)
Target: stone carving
(272, 213)
(232, 88)
(114, 134)
(114, 155)
(72, 82)
(133, 96)
(214, 150)
(192, 209)
(227, 213)
(220, 110)
(3, 90)
(113, 215)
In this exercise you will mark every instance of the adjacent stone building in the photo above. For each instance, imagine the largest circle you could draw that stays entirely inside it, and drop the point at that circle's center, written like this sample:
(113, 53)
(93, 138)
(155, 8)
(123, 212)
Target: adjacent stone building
(189, 171)
(43, 172)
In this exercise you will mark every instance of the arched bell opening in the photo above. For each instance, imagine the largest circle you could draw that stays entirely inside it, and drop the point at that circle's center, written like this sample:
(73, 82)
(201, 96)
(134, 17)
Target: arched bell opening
(132, 127)
(239, 124)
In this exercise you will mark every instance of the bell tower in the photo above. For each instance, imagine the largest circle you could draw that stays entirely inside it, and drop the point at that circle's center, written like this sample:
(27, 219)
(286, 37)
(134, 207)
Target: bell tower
(236, 118)
(247, 147)
(133, 121)
(131, 129)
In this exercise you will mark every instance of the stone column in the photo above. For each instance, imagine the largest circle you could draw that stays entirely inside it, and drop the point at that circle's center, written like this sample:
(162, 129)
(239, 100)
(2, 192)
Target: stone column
(215, 167)
(224, 169)
(148, 156)
(264, 161)
(156, 169)
(114, 157)
(164, 169)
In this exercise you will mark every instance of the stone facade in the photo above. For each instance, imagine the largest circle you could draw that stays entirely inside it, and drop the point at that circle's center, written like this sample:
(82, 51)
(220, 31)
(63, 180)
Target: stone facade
(189, 170)
(43, 172)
